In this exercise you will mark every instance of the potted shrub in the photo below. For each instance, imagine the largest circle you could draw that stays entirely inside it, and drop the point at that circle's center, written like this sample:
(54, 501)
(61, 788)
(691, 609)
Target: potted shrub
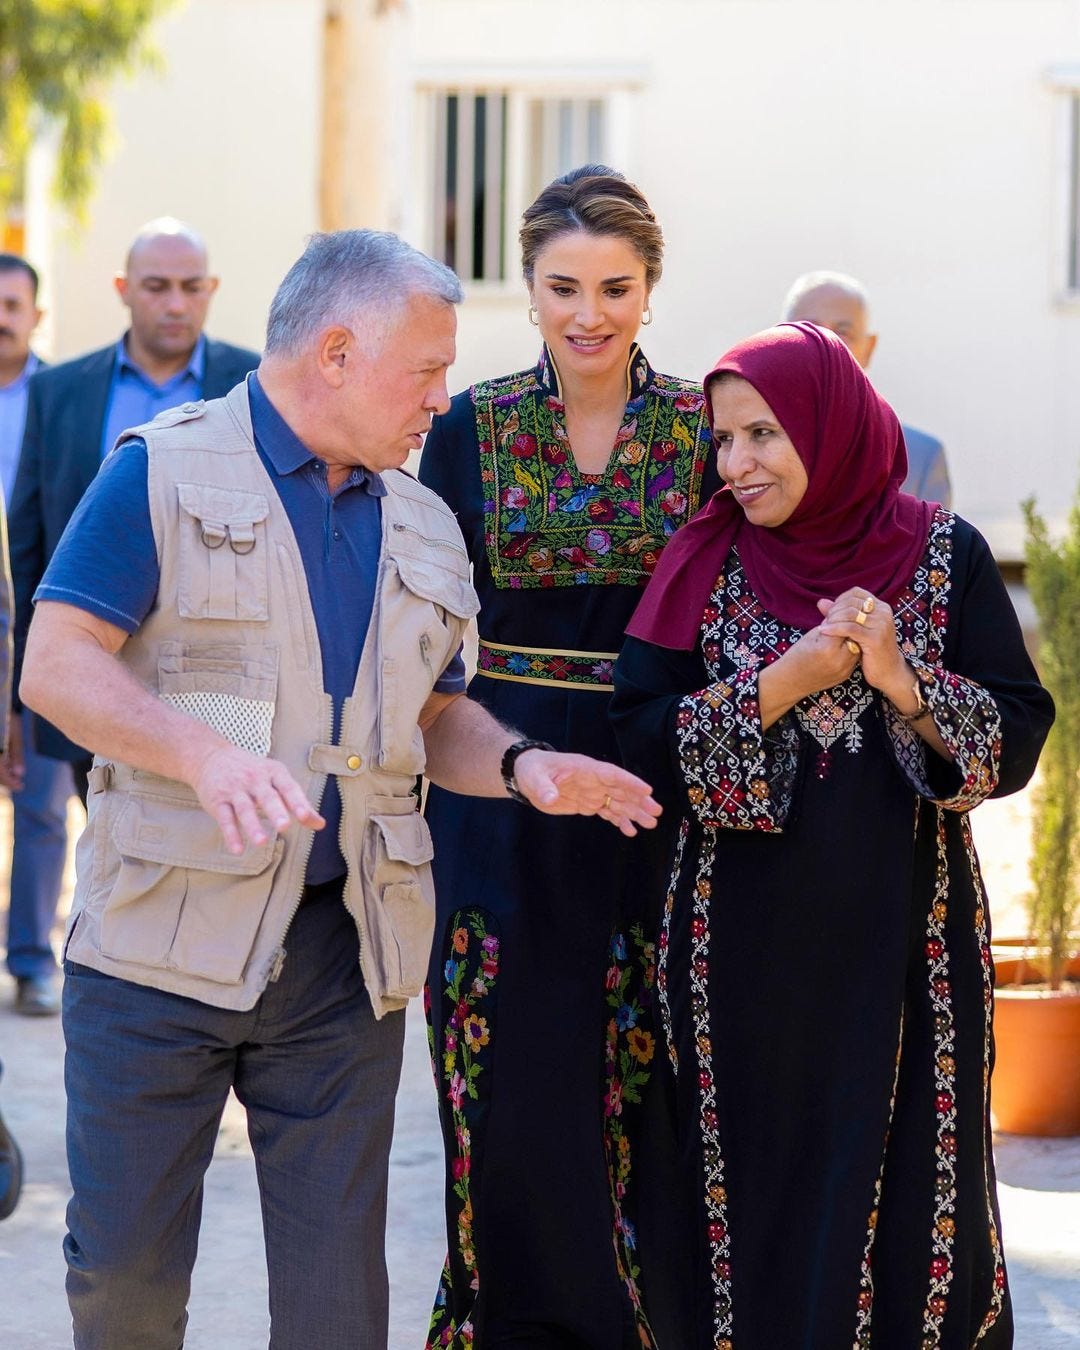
(1036, 1086)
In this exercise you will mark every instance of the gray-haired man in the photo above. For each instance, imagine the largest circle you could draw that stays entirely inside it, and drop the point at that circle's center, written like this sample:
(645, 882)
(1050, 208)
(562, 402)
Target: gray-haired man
(277, 587)
(838, 302)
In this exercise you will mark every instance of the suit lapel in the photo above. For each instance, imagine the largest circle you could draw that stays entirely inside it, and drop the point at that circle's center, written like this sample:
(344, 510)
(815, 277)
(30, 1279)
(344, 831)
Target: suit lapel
(83, 416)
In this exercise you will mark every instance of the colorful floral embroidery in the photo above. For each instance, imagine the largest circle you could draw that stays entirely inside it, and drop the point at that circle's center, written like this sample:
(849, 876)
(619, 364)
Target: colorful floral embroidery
(737, 775)
(629, 1048)
(964, 713)
(997, 1293)
(664, 945)
(718, 1237)
(590, 670)
(944, 1229)
(548, 525)
(462, 1064)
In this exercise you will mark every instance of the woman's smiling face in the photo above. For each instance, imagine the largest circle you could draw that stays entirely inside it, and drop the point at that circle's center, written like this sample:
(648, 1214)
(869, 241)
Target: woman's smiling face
(589, 293)
(755, 455)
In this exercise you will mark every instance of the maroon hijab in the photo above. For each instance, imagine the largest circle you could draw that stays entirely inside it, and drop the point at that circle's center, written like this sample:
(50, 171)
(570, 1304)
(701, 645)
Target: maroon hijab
(854, 527)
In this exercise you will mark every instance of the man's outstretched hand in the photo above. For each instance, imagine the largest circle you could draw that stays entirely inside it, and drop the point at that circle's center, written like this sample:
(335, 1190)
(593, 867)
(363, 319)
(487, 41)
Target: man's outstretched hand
(564, 785)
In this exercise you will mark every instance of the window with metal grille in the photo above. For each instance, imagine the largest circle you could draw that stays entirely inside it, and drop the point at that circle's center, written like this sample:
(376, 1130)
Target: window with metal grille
(1072, 262)
(492, 152)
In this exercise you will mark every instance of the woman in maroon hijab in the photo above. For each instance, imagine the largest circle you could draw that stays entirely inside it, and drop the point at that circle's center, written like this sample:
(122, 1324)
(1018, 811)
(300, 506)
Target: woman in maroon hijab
(830, 675)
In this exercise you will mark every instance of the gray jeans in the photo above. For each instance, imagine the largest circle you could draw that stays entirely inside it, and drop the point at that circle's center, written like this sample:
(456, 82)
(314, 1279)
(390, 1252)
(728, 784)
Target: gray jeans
(147, 1076)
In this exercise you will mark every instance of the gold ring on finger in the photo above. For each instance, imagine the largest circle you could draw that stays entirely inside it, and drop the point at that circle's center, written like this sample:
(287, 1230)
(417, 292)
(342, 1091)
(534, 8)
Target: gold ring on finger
(868, 605)
(860, 618)
(607, 803)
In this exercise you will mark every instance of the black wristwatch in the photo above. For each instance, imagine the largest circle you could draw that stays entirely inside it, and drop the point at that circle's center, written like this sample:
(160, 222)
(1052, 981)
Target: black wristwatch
(509, 759)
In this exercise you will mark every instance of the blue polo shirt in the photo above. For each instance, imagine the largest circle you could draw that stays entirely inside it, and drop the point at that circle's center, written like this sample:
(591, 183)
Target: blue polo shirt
(106, 563)
(134, 398)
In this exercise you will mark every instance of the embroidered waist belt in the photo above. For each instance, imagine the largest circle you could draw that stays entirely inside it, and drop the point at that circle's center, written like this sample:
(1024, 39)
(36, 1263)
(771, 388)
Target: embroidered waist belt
(538, 665)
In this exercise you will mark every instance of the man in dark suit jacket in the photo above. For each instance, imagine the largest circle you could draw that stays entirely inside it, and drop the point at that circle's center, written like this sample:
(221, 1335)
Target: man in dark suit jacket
(76, 410)
(838, 302)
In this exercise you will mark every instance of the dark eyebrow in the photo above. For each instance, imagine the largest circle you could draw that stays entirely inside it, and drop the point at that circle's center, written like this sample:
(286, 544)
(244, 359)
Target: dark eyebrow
(749, 426)
(608, 281)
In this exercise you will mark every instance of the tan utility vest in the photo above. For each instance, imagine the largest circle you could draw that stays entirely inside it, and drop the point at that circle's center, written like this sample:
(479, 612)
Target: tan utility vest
(232, 641)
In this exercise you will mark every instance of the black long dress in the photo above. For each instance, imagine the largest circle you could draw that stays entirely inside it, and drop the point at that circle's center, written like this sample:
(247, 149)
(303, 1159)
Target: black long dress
(540, 939)
(825, 973)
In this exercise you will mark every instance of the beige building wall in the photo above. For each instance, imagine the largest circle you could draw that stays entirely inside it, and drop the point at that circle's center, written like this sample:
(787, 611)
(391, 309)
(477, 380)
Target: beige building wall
(226, 137)
(915, 143)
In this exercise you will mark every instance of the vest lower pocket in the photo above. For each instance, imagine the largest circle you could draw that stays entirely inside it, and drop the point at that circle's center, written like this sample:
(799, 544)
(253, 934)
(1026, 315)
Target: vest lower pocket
(400, 908)
(180, 901)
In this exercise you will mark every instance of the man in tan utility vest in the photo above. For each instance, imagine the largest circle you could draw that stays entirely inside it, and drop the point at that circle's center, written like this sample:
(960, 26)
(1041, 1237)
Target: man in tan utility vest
(255, 621)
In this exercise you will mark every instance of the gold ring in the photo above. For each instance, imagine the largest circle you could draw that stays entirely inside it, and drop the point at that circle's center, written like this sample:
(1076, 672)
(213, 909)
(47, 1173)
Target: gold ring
(853, 647)
(868, 605)
(860, 618)
(607, 802)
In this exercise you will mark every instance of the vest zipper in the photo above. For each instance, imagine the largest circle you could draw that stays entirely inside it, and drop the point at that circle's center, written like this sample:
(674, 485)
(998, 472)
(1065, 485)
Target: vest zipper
(358, 922)
(278, 955)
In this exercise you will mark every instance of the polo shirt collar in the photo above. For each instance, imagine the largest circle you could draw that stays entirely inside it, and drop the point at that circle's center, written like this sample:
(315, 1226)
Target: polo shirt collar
(194, 368)
(285, 450)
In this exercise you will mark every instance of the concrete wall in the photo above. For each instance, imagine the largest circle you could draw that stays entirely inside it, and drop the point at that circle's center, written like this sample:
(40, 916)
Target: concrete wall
(226, 137)
(914, 143)
(910, 142)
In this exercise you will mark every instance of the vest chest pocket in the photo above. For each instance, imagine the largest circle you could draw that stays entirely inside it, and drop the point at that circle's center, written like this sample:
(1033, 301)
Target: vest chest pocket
(423, 619)
(400, 908)
(230, 686)
(223, 563)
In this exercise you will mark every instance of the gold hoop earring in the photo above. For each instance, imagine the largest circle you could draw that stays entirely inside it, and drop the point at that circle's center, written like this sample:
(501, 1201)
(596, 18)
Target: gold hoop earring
(646, 316)
(532, 316)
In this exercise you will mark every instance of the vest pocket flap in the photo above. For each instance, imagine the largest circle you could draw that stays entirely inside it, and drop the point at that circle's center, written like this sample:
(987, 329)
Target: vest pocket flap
(223, 565)
(165, 831)
(406, 838)
(438, 584)
(224, 512)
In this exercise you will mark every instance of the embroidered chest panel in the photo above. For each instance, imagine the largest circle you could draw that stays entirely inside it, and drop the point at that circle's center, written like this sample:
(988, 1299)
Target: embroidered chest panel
(738, 631)
(545, 524)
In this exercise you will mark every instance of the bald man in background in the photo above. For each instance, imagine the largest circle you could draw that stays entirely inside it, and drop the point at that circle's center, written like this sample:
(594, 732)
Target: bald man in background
(838, 302)
(74, 413)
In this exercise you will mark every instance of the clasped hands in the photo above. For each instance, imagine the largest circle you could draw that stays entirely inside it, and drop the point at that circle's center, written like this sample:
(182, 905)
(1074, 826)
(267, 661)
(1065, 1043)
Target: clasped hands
(857, 628)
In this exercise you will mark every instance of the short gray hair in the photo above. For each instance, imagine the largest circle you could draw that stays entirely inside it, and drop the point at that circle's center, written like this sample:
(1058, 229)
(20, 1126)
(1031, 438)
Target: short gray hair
(352, 276)
(814, 281)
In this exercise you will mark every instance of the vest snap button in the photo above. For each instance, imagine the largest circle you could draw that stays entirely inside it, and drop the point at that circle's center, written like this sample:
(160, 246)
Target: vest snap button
(353, 762)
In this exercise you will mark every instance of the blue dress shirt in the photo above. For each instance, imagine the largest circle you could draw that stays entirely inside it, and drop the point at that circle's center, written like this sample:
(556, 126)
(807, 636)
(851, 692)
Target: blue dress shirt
(106, 563)
(134, 398)
(12, 422)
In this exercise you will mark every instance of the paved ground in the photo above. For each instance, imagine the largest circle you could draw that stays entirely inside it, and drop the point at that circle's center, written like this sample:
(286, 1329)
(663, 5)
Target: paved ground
(1040, 1190)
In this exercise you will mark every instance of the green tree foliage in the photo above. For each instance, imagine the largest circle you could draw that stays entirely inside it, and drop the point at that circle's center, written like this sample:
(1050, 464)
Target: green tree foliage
(1053, 578)
(57, 58)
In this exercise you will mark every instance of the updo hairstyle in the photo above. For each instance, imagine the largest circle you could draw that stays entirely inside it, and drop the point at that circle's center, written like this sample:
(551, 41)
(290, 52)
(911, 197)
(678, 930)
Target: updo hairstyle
(599, 201)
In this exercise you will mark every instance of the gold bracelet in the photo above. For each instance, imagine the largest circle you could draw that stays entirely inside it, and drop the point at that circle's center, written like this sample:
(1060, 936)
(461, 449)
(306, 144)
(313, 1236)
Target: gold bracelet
(921, 709)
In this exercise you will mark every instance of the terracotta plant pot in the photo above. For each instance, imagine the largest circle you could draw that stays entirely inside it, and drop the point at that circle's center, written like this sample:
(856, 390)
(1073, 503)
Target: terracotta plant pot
(1018, 961)
(1036, 1084)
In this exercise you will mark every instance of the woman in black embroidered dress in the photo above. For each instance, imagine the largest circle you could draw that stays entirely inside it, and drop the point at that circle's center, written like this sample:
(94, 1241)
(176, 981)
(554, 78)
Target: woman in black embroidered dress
(829, 675)
(567, 480)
